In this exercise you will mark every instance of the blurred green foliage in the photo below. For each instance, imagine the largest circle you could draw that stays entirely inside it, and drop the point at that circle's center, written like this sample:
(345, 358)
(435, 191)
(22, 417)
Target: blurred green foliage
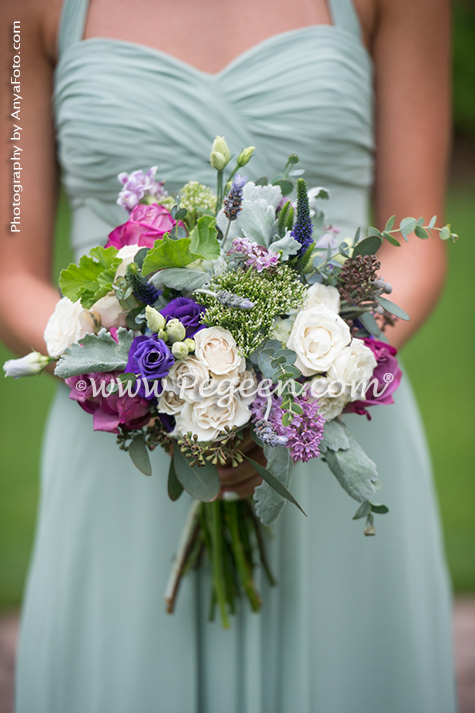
(440, 364)
(464, 67)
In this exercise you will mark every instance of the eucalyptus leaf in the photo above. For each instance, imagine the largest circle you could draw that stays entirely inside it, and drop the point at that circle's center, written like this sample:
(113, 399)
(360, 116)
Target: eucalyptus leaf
(269, 502)
(102, 354)
(368, 246)
(355, 472)
(174, 487)
(138, 452)
(363, 510)
(390, 223)
(262, 181)
(202, 483)
(140, 256)
(374, 231)
(370, 323)
(380, 509)
(407, 225)
(285, 186)
(391, 239)
(393, 308)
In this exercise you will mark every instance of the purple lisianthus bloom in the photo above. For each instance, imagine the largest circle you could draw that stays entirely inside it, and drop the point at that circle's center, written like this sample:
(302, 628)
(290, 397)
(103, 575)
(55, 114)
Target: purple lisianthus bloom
(91, 391)
(386, 374)
(147, 223)
(151, 360)
(187, 311)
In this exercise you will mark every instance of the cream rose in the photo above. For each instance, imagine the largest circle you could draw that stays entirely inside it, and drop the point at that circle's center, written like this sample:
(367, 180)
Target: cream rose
(185, 378)
(170, 403)
(332, 396)
(207, 417)
(126, 254)
(216, 348)
(68, 323)
(354, 367)
(318, 337)
(322, 295)
(109, 311)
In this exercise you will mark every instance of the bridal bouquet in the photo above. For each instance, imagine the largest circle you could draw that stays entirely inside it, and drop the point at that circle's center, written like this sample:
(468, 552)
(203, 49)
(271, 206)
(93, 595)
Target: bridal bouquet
(208, 316)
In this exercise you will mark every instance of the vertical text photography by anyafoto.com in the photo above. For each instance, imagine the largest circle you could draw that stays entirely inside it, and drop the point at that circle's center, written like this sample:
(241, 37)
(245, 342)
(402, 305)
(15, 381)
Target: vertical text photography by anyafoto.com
(16, 130)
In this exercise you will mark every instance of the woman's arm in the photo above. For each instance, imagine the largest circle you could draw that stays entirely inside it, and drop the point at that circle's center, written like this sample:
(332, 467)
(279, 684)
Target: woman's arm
(27, 297)
(411, 54)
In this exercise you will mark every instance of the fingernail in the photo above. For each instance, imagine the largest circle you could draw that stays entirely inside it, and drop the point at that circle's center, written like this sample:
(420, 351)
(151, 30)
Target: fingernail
(230, 495)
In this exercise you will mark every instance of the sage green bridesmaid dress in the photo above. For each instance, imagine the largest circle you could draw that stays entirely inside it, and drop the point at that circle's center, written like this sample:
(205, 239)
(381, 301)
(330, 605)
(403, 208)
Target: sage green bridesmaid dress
(355, 625)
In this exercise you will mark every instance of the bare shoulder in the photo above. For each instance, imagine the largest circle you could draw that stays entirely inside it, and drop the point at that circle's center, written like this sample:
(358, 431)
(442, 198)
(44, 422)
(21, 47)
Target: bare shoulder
(38, 22)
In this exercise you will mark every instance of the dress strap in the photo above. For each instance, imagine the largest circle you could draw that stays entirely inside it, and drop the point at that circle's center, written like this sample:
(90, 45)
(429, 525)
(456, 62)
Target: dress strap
(344, 15)
(72, 23)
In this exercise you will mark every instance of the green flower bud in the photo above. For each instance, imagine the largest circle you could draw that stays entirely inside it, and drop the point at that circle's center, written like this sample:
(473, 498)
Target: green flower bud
(161, 334)
(190, 343)
(155, 321)
(218, 161)
(179, 350)
(245, 156)
(220, 154)
(175, 330)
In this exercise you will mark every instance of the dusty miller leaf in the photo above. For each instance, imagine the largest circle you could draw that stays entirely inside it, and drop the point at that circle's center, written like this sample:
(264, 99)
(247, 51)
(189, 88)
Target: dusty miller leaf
(95, 353)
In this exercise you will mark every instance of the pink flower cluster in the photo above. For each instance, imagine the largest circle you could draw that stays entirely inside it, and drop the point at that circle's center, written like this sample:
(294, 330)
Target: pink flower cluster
(257, 256)
(138, 184)
(108, 411)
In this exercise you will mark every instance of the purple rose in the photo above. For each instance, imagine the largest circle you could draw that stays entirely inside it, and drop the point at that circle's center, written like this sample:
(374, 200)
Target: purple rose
(108, 410)
(187, 311)
(388, 375)
(147, 223)
(150, 359)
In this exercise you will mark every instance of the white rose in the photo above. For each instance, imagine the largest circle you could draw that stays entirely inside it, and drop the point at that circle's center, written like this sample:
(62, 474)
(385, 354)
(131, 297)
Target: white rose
(68, 323)
(170, 403)
(319, 294)
(242, 386)
(331, 395)
(185, 378)
(354, 367)
(126, 254)
(206, 418)
(110, 312)
(216, 348)
(318, 338)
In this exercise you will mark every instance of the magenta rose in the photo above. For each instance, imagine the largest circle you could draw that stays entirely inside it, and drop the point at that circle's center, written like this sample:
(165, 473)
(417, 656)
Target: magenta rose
(108, 410)
(147, 223)
(387, 374)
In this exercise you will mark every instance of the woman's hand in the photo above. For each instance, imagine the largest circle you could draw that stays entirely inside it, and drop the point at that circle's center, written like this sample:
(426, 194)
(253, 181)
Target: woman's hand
(243, 479)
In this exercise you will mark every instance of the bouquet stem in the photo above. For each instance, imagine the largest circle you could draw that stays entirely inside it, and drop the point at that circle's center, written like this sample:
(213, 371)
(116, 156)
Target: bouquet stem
(232, 536)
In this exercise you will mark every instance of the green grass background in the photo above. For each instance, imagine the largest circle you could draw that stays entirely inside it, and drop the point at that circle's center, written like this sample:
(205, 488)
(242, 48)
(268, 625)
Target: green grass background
(439, 361)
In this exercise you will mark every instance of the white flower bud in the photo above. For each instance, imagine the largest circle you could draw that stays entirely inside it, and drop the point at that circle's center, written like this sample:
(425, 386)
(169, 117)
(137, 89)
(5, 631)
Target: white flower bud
(190, 343)
(29, 365)
(175, 330)
(245, 156)
(179, 350)
(218, 160)
(161, 334)
(155, 320)
(220, 154)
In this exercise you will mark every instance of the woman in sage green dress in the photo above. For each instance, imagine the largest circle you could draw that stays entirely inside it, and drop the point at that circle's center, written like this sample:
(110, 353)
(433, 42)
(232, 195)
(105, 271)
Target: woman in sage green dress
(355, 624)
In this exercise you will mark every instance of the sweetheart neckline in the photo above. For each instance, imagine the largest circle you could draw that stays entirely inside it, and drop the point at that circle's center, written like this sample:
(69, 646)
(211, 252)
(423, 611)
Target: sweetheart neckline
(234, 62)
